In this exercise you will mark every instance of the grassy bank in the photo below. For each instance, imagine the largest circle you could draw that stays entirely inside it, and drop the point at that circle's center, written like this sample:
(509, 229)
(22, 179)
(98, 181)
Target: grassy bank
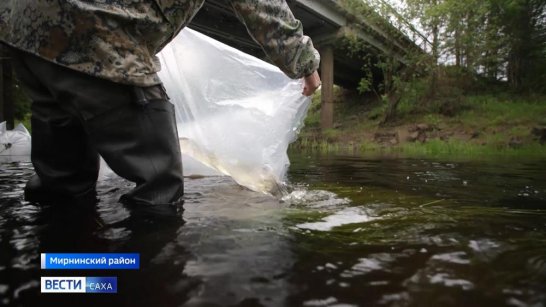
(471, 125)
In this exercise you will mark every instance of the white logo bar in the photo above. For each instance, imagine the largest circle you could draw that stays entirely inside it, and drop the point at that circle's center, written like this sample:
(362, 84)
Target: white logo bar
(62, 285)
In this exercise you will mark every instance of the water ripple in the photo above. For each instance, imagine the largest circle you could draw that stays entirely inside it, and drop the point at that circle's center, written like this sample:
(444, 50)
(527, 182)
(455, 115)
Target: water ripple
(455, 257)
(350, 215)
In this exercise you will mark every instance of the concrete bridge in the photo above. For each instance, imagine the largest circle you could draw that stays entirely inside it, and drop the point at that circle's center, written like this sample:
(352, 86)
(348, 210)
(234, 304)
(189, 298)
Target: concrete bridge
(326, 22)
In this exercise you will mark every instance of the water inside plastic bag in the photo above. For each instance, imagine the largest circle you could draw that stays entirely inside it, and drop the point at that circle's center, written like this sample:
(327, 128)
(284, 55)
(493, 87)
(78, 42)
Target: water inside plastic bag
(236, 114)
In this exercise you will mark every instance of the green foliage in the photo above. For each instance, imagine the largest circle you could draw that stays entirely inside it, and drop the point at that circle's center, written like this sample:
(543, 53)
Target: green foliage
(313, 113)
(387, 71)
(498, 39)
(365, 84)
(474, 46)
(21, 102)
(378, 111)
(25, 121)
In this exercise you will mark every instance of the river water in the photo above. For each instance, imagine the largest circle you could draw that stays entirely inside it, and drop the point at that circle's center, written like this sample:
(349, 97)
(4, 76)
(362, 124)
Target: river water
(354, 231)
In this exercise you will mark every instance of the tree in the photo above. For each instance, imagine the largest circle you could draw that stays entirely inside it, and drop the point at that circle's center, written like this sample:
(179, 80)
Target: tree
(503, 41)
(397, 61)
(498, 39)
(524, 22)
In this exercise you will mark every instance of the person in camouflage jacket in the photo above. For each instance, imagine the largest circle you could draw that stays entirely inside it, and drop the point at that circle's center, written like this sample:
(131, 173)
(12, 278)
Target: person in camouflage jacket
(118, 39)
(90, 67)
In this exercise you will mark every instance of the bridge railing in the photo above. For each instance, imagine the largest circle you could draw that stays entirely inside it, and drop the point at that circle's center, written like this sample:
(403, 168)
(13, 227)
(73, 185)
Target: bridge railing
(390, 14)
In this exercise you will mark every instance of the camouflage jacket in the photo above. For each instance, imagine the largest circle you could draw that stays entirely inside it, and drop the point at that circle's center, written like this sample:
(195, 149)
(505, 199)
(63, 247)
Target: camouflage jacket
(118, 39)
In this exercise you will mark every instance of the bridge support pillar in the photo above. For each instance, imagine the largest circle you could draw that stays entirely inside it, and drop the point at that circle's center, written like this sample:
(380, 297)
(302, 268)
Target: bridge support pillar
(327, 91)
(6, 93)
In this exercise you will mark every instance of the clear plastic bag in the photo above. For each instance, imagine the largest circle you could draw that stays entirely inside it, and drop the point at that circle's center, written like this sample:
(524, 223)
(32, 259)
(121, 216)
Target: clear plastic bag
(14, 144)
(236, 114)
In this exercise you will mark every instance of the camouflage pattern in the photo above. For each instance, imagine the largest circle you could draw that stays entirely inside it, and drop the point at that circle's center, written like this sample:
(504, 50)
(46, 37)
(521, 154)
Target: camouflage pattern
(118, 39)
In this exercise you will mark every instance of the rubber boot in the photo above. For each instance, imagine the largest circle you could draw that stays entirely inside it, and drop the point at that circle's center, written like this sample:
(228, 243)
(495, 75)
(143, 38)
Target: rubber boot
(65, 161)
(66, 164)
(140, 143)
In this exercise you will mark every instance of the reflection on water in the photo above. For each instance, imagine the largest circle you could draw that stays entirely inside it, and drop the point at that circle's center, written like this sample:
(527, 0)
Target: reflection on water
(352, 232)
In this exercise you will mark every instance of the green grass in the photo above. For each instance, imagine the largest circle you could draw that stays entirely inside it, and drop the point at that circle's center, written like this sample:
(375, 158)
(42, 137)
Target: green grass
(503, 123)
(456, 148)
(490, 110)
(432, 148)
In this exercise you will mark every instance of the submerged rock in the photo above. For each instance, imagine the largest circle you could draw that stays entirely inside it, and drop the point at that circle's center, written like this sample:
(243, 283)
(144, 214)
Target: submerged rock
(540, 134)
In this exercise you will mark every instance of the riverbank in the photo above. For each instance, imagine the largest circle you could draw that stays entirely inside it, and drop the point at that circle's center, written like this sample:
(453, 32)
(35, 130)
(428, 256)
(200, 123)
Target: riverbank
(479, 124)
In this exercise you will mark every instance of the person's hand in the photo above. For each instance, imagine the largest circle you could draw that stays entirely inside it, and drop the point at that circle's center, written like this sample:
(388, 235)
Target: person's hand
(311, 83)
